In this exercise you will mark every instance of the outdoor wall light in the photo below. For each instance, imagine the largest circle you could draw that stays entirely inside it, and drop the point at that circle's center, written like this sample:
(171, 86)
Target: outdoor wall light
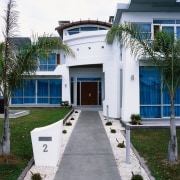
(132, 77)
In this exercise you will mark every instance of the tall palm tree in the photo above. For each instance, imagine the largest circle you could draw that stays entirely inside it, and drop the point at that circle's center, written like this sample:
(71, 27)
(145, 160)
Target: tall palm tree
(18, 62)
(163, 53)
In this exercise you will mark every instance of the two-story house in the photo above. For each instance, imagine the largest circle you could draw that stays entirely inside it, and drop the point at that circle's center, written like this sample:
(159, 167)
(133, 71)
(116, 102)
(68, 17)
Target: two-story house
(105, 75)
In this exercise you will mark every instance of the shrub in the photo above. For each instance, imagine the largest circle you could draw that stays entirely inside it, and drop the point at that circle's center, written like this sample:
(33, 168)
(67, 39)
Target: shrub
(136, 177)
(120, 145)
(65, 103)
(109, 123)
(113, 130)
(68, 123)
(136, 119)
(64, 131)
(36, 176)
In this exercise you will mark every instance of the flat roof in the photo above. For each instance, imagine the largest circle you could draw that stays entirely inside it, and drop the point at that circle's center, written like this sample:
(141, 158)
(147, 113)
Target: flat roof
(146, 6)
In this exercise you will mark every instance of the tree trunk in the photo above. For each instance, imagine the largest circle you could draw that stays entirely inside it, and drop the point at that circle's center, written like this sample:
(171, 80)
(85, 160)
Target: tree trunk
(6, 132)
(172, 147)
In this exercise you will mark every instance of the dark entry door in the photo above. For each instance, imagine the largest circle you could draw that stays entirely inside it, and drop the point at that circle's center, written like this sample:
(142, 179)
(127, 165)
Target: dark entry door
(89, 93)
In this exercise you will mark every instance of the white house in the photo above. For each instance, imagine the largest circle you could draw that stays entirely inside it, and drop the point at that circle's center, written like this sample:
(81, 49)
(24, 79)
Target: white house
(105, 75)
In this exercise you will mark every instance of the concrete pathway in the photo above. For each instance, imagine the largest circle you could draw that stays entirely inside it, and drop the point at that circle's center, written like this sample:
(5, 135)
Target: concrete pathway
(88, 154)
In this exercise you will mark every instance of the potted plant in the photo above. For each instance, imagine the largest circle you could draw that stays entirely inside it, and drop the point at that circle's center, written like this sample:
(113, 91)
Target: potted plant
(65, 103)
(136, 119)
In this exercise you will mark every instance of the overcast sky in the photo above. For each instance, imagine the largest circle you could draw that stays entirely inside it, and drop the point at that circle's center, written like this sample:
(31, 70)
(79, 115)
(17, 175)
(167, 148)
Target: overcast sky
(42, 16)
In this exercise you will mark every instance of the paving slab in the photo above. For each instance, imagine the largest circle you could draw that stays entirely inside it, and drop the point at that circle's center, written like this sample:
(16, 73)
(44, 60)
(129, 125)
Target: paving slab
(88, 154)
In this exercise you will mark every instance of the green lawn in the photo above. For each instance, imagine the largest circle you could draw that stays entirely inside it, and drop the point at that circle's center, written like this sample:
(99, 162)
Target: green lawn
(152, 145)
(21, 147)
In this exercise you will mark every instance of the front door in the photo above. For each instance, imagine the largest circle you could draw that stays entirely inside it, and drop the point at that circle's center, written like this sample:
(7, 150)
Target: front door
(89, 93)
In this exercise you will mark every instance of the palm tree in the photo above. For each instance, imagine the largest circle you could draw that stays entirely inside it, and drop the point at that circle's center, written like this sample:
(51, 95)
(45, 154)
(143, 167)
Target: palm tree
(18, 62)
(163, 53)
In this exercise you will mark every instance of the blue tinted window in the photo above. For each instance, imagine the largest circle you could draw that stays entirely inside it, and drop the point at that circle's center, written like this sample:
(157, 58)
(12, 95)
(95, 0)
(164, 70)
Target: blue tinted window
(73, 31)
(52, 59)
(17, 92)
(55, 87)
(42, 100)
(155, 99)
(29, 88)
(150, 89)
(177, 96)
(42, 87)
(178, 32)
(38, 91)
(169, 29)
(145, 29)
(16, 100)
(161, 21)
(167, 110)
(100, 28)
(150, 111)
(48, 64)
(177, 21)
(86, 28)
(43, 61)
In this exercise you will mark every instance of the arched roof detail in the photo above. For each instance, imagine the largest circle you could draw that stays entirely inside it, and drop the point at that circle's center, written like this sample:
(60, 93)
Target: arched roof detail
(80, 23)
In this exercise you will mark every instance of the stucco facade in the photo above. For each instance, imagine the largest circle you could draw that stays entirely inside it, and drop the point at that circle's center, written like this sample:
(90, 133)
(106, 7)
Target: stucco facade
(108, 75)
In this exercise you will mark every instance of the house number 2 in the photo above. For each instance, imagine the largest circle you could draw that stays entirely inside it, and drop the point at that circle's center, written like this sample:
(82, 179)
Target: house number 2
(45, 148)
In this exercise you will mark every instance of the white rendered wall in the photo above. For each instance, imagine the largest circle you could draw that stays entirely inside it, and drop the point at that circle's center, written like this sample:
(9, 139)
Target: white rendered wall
(63, 70)
(131, 94)
(111, 69)
(112, 92)
(89, 48)
(130, 101)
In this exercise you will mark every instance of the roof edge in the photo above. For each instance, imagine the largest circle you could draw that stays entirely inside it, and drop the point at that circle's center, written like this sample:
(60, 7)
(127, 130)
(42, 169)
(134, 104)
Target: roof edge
(81, 22)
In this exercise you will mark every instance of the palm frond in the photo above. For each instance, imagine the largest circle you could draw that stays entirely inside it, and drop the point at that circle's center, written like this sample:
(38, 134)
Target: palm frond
(11, 21)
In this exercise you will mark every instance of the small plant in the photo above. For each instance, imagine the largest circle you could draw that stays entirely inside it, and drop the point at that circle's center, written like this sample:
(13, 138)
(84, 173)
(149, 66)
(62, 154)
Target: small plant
(136, 177)
(136, 119)
(109, 123)
(72, 118)
(120, 145)
(68, 123)
(113, 130)
(36, 176)
(76, 111)
(65, 103)
(64, 131)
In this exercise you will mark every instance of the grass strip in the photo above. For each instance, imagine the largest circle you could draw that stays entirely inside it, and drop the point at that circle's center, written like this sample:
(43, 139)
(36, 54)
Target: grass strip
(21, 147)
(152, 145)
